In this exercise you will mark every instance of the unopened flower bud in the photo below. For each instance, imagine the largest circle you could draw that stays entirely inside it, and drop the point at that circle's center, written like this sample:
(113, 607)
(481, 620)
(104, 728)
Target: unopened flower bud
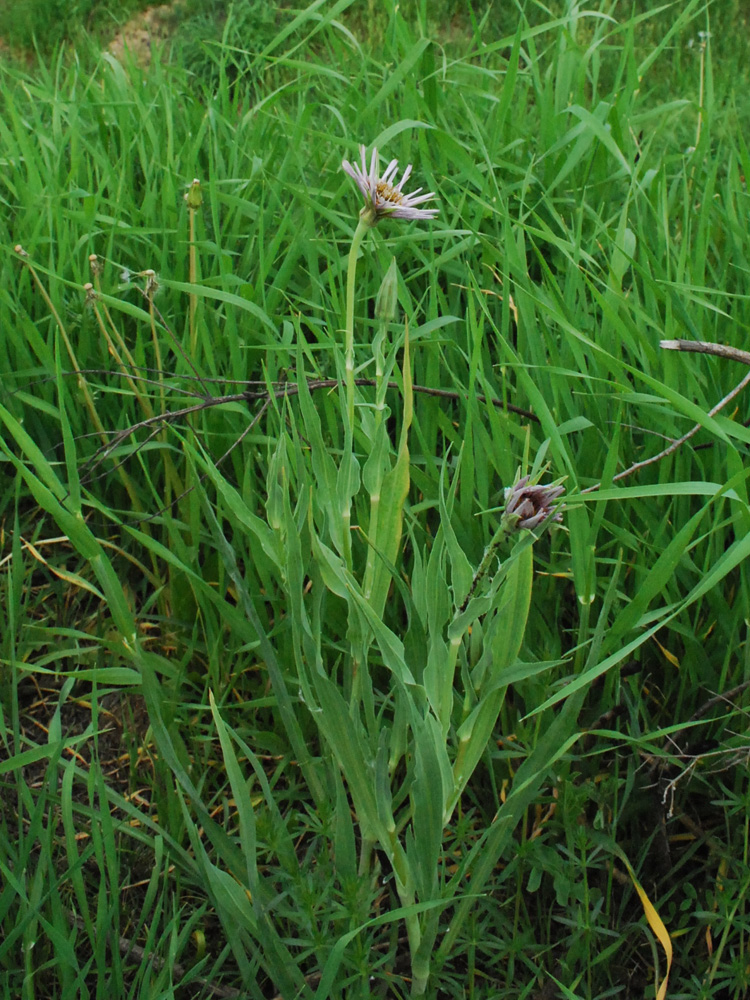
(152, 283)
(194, 196)
(531, 503)
(95, 264)
(386, 302)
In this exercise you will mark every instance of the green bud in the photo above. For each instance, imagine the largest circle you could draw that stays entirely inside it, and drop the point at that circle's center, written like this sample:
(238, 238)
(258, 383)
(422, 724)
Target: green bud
(194, 196)
(386, 302)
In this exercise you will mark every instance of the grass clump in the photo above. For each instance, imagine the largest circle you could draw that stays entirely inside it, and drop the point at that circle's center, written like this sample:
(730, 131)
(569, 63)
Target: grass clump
(220, 44)
(292, 702)
(43, 25)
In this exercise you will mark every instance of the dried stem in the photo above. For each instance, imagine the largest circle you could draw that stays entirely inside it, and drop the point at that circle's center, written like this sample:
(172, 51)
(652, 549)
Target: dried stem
(701, 348)
(280, 391)
(277, 390)
(704, 347)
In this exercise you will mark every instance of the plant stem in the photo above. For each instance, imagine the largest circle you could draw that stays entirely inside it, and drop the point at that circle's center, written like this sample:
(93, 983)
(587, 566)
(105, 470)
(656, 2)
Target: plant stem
(193, 277)
(365, 222)
(505, 529)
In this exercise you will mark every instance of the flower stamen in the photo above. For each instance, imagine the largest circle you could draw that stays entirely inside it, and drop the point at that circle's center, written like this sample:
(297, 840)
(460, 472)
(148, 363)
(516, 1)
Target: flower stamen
(389, 193)
(384, 197)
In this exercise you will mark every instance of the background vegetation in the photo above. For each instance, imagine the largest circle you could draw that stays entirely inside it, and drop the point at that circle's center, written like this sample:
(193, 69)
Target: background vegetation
(175, 819)
(44, 24)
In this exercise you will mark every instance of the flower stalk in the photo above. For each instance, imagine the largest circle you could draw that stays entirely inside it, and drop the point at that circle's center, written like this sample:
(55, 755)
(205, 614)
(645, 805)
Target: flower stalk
(194, 200)
(388, 487)
(351, 279)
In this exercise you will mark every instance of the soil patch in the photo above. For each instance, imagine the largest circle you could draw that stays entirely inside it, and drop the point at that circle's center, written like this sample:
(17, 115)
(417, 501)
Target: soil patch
(138, 35)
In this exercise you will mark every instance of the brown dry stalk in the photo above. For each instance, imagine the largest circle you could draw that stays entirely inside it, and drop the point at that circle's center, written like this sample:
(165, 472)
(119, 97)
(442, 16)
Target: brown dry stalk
(279, 391)
(700, 347)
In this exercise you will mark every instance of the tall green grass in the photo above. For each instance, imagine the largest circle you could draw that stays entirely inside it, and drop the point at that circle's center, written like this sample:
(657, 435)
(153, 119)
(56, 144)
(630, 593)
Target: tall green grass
(230, 732)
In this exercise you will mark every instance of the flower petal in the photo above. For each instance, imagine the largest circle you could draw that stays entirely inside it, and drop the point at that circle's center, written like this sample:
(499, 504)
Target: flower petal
(383, 195)
(404, 178)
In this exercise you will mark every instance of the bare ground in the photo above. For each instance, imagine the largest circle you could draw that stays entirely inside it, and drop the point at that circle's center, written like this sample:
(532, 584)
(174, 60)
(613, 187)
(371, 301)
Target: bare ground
(141, 32)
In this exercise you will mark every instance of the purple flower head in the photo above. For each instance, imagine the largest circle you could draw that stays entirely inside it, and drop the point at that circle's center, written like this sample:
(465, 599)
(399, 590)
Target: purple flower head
(383, 197)
(532, 503)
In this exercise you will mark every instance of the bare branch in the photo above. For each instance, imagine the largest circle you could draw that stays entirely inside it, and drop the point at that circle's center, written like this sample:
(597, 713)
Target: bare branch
(265, 392)
(698, 346)
(217, 463)
(703, 347)
(281, 391)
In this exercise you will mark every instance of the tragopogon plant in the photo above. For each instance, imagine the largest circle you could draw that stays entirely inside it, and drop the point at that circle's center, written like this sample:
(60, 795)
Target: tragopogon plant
(405, 751)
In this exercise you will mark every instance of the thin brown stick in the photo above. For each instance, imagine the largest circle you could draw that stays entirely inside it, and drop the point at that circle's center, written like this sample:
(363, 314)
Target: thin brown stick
(693, 430)
(717, 700)
(704, 347)
(285, 389)
(129, 949)
(227, 453)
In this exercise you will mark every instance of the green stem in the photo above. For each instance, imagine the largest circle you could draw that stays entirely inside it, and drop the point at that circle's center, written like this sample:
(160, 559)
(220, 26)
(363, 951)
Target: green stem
(193, 272)
(365, 856)
(507, 526)
(407, 899)
(380, 387)
(365, 222)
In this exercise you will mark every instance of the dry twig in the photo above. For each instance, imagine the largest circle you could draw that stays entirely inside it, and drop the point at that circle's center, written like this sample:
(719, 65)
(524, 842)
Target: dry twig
(699, 347)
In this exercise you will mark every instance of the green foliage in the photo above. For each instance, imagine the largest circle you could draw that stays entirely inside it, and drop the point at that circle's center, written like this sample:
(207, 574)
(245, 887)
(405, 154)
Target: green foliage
(45, 24)
(281, 703)
(220, 44)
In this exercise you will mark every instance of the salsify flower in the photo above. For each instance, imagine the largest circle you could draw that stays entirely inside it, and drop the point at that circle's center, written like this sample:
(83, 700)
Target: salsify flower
(383, 197)
(527, 505)
(531, 503)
